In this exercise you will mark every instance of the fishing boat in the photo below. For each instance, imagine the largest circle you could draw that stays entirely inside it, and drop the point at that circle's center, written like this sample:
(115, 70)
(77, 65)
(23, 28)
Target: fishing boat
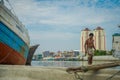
(14, 38)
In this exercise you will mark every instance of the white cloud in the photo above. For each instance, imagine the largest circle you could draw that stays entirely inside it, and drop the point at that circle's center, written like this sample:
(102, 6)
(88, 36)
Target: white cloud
(32, 12)
(51, 35)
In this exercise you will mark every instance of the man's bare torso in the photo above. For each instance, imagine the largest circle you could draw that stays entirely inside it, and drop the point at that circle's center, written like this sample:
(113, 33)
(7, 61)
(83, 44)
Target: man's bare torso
(89, 43)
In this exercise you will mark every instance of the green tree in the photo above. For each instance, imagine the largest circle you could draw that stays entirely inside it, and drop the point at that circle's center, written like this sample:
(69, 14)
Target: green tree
(100, 52)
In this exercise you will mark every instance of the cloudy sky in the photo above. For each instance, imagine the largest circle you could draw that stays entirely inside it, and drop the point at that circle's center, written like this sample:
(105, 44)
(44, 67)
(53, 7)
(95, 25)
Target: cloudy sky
(56, 24)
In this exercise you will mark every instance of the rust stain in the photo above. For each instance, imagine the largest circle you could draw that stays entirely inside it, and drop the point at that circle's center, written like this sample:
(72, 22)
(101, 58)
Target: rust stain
(22, 50)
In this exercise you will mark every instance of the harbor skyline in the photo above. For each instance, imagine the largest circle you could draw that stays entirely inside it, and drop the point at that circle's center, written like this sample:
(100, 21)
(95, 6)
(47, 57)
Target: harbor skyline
(56, 25)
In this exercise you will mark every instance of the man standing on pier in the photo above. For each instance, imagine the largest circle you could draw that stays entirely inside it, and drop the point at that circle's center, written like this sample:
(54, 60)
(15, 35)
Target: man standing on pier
(89, 46)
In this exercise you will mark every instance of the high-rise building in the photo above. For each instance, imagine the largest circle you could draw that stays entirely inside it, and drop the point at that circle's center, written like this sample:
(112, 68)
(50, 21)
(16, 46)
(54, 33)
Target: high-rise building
(99, 38)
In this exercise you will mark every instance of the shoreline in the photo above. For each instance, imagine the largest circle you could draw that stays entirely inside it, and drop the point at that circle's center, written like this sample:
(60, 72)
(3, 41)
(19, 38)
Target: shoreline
(20, 72)
(95, 58)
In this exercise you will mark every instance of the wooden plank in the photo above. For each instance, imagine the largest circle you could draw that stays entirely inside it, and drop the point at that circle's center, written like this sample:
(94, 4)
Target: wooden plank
(92, 67)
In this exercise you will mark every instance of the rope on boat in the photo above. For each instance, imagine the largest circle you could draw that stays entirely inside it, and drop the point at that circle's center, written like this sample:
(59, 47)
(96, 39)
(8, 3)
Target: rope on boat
(109, 78)
(77, 76)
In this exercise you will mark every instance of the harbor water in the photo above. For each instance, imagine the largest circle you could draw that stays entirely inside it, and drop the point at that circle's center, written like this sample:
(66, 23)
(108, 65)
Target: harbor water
(67, 63)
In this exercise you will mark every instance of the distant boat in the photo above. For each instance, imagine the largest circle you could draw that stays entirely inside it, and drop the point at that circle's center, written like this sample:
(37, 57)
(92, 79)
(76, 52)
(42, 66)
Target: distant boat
(14, 38)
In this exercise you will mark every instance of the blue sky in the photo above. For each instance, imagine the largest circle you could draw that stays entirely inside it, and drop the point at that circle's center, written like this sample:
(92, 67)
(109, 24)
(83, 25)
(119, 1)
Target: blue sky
(56, 24)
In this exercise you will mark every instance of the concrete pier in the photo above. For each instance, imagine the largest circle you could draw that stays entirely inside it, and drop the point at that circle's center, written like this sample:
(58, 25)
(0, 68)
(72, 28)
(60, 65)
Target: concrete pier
(15, 72)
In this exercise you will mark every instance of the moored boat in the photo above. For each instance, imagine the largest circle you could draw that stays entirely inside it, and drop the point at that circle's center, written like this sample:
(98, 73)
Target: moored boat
(14, 38)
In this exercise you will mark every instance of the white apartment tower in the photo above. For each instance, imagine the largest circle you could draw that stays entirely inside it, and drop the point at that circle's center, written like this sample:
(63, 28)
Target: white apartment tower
(99, 38)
